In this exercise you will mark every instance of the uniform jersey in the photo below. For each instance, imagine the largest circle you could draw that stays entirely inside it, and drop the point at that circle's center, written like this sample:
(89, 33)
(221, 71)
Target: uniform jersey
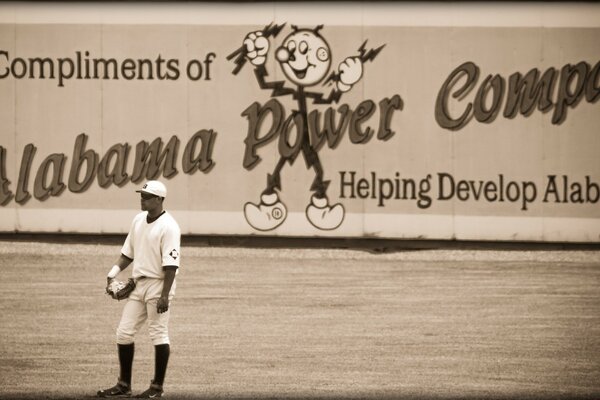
(152, 245)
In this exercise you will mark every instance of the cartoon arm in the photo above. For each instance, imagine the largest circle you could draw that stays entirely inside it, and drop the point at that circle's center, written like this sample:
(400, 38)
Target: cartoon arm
(318, 98)
(257, 47)
(254, 41)
(277, 87)
(350, 72)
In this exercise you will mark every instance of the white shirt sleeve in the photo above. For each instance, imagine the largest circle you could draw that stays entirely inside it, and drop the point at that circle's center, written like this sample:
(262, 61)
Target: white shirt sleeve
(171, 246)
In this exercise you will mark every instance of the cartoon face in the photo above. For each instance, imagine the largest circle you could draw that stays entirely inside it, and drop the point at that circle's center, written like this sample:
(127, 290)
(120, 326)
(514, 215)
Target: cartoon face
(305, 57)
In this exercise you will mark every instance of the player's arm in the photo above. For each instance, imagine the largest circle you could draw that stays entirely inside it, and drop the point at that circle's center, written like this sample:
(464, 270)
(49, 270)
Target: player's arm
(163, 301)
(171, 259)
(127, 253)
(122, 263)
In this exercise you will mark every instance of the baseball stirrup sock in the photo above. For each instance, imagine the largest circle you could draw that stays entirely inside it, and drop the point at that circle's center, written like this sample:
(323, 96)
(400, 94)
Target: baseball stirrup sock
(161, 359)
(126, 352)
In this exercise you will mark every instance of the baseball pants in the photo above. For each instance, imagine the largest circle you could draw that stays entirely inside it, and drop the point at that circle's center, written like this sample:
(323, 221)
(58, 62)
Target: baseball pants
(141, 307)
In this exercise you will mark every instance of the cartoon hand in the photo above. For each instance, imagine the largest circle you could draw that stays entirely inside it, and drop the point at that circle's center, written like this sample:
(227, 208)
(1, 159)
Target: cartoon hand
(350, 73)
(257, 47)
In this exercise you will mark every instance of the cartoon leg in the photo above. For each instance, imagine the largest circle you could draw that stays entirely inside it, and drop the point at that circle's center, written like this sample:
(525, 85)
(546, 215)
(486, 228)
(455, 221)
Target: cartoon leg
(270, 212)
(319, 212)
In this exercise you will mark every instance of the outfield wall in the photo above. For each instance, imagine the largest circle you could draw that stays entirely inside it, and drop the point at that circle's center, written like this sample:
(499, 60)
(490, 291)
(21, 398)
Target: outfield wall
(464, 121)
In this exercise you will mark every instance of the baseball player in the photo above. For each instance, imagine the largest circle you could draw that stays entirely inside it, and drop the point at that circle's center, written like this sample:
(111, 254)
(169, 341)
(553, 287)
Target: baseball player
(153, 245)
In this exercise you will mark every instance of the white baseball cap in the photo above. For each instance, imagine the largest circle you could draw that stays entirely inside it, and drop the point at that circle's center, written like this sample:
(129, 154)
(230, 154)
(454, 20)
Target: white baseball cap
(154, 187)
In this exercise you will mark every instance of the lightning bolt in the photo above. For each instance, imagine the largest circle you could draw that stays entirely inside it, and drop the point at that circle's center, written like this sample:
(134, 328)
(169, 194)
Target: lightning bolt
(363, 55)
(240, 54)
(319, 98)
(333, 77)
(277, 87)
(273, 182)
(368, 55)
(272, 30)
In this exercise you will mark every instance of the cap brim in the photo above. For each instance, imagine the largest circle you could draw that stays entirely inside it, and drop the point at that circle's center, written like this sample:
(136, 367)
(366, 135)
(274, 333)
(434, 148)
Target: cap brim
(145, 191)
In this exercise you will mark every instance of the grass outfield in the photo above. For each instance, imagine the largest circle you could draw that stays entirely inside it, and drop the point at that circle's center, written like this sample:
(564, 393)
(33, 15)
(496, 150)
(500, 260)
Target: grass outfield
(307, 323)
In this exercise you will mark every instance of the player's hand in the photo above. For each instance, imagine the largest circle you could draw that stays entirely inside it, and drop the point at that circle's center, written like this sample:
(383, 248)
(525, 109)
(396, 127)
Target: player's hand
(257, 47)
(108, 282)
(162, 305)
(350, 71)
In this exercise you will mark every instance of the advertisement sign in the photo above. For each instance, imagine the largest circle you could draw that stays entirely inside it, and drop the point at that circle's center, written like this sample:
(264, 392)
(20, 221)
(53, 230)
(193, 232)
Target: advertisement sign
(303, 128)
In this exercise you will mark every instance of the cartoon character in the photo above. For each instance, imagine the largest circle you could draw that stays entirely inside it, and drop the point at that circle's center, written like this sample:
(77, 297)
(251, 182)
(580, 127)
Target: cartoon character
(305, 58)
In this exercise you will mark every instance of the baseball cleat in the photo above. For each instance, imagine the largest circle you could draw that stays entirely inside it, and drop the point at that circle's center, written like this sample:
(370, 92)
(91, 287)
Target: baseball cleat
(154, 391)
(121, 389)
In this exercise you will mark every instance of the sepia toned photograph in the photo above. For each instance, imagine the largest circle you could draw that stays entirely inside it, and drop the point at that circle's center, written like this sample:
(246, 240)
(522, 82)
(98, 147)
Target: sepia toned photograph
(300, 200)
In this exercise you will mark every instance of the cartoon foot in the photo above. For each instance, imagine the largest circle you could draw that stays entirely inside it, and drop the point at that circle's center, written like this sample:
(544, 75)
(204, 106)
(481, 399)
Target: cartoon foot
(324, 216)
(267, 215)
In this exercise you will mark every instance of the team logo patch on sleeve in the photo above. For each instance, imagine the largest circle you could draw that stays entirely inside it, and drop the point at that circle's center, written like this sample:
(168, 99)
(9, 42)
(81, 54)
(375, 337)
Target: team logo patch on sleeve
(174, 254)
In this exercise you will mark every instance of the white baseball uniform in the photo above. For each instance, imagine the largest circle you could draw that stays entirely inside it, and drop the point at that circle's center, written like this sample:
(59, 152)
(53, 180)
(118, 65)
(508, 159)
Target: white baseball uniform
(152, 246)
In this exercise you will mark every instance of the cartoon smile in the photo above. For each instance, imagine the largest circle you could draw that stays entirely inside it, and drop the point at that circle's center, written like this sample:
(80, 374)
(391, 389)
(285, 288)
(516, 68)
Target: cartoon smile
(304, 57)
(300, 73)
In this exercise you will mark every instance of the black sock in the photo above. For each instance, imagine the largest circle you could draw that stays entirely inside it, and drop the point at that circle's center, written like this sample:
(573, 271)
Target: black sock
(126, 361)
(161, 359)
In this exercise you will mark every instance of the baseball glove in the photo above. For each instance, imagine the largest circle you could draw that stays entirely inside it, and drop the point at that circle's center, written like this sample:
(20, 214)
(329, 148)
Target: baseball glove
(120, 290)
